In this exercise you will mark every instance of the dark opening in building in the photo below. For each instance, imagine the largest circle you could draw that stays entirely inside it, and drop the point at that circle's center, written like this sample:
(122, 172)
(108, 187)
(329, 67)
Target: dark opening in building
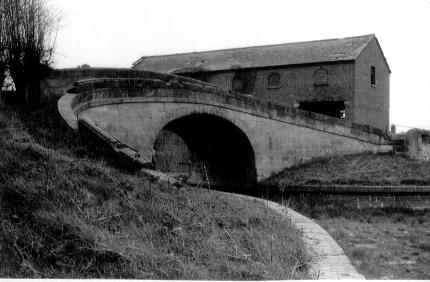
(425, 139)
(206, 77)
(329, 108)
(372, 76)
(237, 84)
(243, 81)
(273, 81)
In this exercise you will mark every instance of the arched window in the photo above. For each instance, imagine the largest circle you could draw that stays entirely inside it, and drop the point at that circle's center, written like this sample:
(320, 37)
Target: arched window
(237, 84)
(372, 76)
(243, 81)
(274, 81)
(321, 77)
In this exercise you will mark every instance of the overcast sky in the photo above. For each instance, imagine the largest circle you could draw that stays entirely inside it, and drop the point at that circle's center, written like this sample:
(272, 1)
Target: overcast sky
(115, 33)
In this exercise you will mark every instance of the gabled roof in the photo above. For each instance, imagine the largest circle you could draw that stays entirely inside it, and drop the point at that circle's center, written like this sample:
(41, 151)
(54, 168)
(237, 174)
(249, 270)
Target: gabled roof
(330, 50)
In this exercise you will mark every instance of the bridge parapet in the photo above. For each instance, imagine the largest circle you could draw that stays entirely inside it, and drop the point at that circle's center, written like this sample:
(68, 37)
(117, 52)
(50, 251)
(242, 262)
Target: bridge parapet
(60, 80)
(98, 91)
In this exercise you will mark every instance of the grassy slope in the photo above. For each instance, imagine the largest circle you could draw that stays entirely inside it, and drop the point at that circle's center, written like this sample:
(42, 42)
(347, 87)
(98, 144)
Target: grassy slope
(395, 245)
(363, 169)
(383, 243)
(65, 211)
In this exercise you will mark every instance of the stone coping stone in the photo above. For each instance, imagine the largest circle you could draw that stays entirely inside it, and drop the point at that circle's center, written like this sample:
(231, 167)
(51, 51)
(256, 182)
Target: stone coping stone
(66, 111)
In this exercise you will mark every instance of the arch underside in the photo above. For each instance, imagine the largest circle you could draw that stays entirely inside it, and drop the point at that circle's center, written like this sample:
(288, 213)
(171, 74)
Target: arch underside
(206, 149)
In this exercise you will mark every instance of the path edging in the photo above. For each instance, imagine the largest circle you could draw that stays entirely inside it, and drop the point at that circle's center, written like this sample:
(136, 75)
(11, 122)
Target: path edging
(328, 259)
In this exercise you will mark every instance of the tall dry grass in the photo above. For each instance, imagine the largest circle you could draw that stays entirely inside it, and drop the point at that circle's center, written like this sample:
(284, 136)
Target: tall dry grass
(67, 212)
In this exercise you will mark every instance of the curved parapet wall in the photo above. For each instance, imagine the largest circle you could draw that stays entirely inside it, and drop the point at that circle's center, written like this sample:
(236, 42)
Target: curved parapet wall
(59, 81)
(134, 111)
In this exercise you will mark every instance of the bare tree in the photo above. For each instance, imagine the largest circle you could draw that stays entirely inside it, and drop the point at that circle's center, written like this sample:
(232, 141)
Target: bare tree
(30, 30)
(3, 54)
(2, 46)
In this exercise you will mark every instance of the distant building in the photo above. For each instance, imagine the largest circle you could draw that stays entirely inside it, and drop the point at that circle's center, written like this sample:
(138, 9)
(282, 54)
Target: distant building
(345, 78)
(84, 66)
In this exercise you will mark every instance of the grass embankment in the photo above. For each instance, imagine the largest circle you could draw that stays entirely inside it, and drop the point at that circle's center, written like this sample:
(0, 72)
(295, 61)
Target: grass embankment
(65, 212)
(363, 169)
(390, 245)
(383, 243)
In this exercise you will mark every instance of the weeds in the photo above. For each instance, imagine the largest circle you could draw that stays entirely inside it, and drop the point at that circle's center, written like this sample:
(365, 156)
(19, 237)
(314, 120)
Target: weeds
(66, 213)
(383, 236)
(425, 246)
(389, 242)
(362, 169)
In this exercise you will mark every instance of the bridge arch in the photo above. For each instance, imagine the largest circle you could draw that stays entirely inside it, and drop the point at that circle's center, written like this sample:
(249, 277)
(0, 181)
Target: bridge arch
(129, 113)
(205, 147)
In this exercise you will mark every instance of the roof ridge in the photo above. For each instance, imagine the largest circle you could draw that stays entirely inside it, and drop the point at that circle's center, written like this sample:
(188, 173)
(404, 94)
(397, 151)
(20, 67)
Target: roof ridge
(372, 35)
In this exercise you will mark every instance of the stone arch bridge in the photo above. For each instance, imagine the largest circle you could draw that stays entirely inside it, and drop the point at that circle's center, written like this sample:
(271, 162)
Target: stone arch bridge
(196, 131)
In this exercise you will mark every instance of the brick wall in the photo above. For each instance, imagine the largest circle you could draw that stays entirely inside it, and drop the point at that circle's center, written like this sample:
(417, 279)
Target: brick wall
(347, 81)
(372, 102)
(296, 83)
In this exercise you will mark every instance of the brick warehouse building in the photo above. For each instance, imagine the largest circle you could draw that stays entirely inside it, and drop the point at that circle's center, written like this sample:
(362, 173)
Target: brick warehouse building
(345, 78)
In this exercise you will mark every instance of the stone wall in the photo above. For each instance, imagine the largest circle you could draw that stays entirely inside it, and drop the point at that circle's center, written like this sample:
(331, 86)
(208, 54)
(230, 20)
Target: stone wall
(417, 143)
(276, 144)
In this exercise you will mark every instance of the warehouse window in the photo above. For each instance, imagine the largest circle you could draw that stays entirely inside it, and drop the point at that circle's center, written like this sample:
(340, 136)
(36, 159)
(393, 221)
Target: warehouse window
(321, 77)
(274, 81)
(372, 76)
(243, 81)
(237, 84)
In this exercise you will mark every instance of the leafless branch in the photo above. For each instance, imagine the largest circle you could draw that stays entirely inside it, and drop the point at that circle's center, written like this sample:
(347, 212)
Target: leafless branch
(27, 41)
